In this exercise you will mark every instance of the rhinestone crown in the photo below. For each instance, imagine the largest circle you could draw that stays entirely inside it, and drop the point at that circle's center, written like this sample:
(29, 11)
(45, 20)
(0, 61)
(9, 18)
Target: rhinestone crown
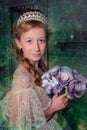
(32, 15)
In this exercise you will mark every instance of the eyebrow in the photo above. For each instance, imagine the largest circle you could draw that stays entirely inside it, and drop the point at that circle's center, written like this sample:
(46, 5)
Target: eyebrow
(32, 38)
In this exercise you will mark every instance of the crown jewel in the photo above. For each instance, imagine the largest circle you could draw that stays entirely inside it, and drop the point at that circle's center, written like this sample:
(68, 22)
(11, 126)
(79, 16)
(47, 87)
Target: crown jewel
(32, 15)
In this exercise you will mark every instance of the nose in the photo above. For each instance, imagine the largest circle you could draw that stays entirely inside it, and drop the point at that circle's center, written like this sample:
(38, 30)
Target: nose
(36, 46)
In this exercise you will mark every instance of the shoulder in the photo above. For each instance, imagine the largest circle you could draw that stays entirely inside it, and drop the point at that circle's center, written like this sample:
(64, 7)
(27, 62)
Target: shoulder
(22, 79)
(22, 73)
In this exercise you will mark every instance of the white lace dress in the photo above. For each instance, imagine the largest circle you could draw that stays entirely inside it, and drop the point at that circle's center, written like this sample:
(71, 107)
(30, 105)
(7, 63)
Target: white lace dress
(23, 106)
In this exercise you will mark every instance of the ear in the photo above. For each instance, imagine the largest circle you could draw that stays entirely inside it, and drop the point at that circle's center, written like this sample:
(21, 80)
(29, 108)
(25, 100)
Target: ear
(18, 43)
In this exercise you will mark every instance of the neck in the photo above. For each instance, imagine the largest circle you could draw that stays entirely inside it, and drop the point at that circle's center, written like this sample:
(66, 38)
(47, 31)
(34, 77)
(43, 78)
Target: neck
(35, 64)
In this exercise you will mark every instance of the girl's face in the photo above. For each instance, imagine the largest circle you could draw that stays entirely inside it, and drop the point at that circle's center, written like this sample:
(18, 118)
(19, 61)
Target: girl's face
(33, 44)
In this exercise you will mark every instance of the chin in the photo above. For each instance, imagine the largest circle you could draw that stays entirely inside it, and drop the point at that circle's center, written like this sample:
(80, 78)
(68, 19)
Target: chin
(36, 60)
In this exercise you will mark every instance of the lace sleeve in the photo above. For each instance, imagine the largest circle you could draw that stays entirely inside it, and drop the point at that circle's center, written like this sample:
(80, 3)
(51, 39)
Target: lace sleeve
(24, 110)
(22, 106)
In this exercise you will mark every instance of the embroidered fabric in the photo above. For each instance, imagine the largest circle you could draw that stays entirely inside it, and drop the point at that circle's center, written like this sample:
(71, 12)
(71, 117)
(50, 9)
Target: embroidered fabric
(23, 106)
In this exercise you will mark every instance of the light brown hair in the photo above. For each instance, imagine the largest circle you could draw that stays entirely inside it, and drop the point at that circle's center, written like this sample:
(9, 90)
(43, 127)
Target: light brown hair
(18, 30)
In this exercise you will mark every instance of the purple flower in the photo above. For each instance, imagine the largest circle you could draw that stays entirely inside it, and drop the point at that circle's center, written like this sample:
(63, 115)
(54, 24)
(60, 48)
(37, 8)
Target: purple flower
(80, 78)
(64, 79)
(65, 76)
(75, 89)
(57, 89)
(48, 83)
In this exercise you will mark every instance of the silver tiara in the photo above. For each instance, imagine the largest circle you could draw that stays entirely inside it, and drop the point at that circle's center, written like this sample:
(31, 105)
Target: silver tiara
(32, 15)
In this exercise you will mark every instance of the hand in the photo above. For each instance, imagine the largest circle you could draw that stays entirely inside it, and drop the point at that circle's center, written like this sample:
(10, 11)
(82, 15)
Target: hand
(59, 102)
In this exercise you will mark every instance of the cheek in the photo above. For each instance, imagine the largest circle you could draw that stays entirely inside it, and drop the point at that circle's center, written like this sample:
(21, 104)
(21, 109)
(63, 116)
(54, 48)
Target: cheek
(26, 47)
(26, 50)
(43, 48)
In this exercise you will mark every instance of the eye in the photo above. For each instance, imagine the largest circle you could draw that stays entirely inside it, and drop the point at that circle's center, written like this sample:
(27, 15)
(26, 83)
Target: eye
(29, 41)
(42, 40)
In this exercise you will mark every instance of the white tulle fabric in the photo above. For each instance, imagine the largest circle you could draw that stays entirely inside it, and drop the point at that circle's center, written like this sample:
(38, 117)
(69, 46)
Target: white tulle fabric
(25, 103)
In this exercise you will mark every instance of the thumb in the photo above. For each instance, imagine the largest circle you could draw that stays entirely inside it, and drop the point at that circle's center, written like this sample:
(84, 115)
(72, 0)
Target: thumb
(54, 97)
(63, 95)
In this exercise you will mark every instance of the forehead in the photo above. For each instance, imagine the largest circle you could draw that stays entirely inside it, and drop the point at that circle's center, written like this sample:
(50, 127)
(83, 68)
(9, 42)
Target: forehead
(34, 31)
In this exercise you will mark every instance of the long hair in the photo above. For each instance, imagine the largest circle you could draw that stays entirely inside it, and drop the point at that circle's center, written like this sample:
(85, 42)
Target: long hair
(18, 30)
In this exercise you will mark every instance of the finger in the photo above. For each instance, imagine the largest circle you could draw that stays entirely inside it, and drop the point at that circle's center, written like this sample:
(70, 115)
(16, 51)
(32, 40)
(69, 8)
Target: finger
(65, 105)
(65, 102)
(54, 97)
(63, 95)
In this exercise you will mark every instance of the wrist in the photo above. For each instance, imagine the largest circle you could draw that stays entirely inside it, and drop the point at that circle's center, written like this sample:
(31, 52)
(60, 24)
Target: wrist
(49, 111)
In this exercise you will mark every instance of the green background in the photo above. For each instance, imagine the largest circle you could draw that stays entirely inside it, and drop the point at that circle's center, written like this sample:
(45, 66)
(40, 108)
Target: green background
(67, 47)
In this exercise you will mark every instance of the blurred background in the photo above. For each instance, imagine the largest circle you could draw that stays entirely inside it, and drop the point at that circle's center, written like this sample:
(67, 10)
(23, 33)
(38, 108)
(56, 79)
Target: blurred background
(67, 45)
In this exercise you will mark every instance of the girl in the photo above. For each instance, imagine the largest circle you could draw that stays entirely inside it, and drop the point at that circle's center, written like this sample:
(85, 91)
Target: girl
(27, 107)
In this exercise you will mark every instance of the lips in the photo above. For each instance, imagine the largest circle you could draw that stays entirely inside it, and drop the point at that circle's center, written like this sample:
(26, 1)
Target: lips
(36, 55)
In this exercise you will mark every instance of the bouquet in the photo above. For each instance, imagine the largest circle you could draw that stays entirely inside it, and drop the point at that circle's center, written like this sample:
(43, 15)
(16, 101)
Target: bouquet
(59, 80)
